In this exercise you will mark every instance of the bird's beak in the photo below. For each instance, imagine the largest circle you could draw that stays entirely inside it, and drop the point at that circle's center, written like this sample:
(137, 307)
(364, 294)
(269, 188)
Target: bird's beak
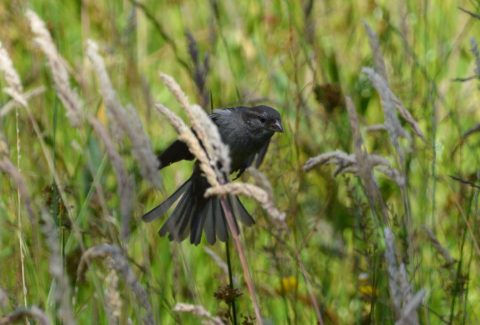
(277, 126)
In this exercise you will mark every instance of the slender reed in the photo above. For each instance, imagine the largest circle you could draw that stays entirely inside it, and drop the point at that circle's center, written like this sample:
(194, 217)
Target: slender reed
(15, 90)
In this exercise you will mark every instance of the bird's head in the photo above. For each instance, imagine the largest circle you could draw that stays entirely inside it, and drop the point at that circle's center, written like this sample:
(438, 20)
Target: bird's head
(262, 119)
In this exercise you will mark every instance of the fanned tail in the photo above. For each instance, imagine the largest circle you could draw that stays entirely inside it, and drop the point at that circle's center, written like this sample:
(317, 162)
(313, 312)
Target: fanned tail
(195, 214)
(160, 210)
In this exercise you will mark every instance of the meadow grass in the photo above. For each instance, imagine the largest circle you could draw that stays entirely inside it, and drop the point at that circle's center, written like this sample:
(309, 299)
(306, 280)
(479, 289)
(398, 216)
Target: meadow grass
(385, 91)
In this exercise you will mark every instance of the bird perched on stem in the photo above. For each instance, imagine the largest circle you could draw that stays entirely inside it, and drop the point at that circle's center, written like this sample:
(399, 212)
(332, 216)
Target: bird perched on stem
(247, 132)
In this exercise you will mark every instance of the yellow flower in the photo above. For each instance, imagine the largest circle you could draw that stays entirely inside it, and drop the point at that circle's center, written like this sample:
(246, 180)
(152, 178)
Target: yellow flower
(101, 114)
(289, 284)
(367, 291)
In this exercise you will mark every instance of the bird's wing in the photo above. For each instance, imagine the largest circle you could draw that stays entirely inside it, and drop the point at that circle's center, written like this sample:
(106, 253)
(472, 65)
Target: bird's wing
(261, 154)
(219, 113)
(177, 151)
(256, 159)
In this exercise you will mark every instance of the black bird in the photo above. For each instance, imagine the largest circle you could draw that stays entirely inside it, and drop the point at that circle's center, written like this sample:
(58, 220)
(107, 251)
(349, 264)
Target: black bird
(247, 132)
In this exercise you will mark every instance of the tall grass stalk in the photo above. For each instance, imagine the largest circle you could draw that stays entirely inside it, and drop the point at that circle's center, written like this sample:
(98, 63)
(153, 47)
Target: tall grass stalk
(230, 279)
(15, 89)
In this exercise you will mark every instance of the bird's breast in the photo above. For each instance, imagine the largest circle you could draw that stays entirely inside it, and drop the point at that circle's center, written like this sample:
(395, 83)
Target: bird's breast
(242, 149)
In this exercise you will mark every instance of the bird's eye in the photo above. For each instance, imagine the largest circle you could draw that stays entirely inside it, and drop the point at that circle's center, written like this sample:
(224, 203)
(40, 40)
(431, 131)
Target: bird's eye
(262, 119)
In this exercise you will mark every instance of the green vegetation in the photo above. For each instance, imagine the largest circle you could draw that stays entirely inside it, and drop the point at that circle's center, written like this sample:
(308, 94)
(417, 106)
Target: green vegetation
(59, 187)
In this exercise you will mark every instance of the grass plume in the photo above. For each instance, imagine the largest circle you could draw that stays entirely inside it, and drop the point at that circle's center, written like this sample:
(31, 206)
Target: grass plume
(198, 311)
(125, 119)
(58, 67)
(405, 303)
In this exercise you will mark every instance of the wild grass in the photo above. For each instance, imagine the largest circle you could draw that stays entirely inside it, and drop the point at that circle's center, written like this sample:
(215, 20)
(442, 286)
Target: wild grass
(384, 92)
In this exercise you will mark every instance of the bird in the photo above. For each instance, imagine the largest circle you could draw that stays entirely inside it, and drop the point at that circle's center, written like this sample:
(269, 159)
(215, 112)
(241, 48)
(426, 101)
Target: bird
(247, 132)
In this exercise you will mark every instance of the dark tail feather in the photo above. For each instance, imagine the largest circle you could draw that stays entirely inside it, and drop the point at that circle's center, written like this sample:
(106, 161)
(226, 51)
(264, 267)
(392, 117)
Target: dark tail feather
(210, 223)
(220, 222)
(198, 223)
(183, 225)
(160, 210)
(195, 214)
(174, 223)
(239, 210)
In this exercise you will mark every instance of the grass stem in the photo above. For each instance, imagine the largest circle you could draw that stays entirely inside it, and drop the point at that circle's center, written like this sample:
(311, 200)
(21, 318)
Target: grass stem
(230, 278)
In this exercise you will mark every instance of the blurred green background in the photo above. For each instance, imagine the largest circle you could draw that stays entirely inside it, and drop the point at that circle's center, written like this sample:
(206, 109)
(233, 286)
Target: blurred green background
(300, 57)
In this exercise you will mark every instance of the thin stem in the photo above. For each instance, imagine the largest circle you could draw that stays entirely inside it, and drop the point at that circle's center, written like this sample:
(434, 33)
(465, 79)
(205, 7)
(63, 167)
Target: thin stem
(19, 216)
(230, 278)
(243, 259)
(56, 177)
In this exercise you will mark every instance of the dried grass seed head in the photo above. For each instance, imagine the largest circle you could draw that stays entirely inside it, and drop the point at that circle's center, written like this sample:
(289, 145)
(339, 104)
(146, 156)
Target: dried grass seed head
(186, 135)
(204, 128)
(390, 103)
(404, 302)
(198, 310)
(251, 191)
(476, 54)
(58, 66)
(125, 120)
(378, 60)
(14, 85)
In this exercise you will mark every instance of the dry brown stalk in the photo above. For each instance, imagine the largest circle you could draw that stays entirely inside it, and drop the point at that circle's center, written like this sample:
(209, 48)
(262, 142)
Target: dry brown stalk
(243, 260)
